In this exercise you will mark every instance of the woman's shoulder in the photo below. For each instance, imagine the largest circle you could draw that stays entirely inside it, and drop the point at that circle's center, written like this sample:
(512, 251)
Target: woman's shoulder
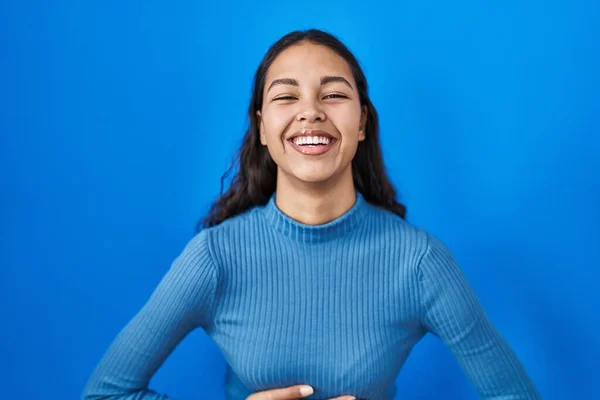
(232, 230)
(392, 223)
(247, 218)
(206, 246)
(411, 236)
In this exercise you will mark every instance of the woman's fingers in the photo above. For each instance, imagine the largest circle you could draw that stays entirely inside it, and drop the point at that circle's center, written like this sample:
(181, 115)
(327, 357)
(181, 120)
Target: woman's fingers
(288, 393)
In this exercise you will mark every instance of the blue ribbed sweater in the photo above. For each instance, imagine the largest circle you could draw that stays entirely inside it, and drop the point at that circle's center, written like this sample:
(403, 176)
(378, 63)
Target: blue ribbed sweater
(337, 306)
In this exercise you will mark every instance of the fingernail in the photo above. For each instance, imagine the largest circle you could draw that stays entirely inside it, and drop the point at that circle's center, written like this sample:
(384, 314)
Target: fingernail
(306, 390)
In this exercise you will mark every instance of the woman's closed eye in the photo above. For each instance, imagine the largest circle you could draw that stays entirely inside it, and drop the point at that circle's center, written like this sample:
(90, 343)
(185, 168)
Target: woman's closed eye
(328, 96)
(284, 98)
(335, 96)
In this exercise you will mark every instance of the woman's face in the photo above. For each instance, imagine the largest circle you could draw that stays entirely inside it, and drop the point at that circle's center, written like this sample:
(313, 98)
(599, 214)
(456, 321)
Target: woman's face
(311, 119)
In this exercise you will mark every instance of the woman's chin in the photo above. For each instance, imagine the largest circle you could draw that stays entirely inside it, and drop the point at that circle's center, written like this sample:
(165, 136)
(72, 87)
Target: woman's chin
(319, 179)
(313, 176)
(317, 174)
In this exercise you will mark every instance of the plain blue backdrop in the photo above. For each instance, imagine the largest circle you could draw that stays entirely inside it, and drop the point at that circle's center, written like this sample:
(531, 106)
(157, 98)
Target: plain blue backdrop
(117, 120)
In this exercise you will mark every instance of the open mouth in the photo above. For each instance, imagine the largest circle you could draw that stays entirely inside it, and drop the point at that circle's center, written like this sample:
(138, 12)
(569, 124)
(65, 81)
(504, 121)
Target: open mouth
(312, 145)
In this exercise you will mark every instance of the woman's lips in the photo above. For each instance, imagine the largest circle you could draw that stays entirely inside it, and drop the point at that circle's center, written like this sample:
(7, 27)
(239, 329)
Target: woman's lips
(313, 150)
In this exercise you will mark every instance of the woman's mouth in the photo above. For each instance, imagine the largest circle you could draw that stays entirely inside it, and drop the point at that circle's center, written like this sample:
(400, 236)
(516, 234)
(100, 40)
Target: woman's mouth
(312, 145)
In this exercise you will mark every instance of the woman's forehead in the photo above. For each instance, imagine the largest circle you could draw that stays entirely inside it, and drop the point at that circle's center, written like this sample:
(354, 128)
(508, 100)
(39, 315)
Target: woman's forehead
(307, 63)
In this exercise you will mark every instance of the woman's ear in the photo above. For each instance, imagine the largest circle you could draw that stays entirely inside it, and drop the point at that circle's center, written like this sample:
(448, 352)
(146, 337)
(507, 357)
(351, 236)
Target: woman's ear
(363, 123)
(261, 128)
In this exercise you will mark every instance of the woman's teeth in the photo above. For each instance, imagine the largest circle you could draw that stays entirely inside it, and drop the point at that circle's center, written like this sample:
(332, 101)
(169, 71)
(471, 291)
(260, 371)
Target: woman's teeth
(311, 140)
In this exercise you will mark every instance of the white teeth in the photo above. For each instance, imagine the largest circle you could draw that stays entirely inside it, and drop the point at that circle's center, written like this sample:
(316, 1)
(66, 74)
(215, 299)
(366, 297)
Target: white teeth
(306, 140)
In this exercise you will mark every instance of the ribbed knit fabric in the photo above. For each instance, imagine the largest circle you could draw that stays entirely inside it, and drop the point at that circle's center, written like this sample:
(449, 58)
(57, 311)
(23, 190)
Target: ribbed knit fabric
(338, 306)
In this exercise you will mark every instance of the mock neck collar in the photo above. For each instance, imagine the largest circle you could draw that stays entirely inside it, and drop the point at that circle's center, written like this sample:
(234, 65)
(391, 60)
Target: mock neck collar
(301, 232)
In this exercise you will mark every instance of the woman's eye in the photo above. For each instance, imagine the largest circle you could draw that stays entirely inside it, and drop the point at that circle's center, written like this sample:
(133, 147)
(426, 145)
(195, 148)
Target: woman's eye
(329, 96)
(284, 98)
(335, 96)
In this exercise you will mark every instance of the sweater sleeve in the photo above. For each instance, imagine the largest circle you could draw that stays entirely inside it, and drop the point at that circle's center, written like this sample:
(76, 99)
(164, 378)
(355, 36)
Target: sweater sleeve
(452, 312)
(183, 300)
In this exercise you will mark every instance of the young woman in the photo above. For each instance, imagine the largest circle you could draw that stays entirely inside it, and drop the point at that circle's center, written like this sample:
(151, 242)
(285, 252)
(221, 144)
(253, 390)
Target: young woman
(306, 271)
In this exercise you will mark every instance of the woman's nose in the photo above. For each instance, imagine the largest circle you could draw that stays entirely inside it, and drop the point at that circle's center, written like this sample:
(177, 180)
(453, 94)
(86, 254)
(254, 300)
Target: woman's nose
(311, 113)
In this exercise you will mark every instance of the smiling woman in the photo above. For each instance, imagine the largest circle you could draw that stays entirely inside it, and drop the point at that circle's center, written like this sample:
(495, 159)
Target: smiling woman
(305, 271)
(323, 103)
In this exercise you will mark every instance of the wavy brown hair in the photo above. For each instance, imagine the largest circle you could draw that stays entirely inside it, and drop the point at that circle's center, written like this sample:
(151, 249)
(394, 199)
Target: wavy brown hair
(255, 180)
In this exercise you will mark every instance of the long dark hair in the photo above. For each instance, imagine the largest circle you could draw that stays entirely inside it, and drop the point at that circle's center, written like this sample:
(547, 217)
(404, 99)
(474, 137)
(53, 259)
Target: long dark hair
(255, 180)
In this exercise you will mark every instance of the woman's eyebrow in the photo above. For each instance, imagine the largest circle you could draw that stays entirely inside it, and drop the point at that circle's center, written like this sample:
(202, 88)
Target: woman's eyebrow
(283, 81)
(324, 81)
(329, 79)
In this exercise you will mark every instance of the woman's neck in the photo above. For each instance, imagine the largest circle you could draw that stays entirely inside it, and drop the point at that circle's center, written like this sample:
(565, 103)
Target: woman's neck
(315, 204)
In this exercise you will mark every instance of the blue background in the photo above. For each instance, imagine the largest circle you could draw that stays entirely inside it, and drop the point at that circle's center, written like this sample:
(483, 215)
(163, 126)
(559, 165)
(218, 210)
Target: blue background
(117, 121)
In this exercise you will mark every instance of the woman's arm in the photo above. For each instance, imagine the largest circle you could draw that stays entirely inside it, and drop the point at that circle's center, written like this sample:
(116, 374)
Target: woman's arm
(451, 311)
(183, 300)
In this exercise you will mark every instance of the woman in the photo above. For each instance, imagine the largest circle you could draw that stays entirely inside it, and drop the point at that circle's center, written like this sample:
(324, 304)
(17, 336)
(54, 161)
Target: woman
(306, 271)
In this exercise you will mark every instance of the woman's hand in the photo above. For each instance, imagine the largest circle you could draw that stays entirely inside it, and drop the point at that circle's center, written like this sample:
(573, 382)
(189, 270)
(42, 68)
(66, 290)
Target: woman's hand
(289, 393)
